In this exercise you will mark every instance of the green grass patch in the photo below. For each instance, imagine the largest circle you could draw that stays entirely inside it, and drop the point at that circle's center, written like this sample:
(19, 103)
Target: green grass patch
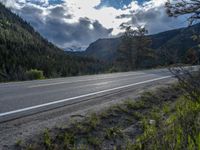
(179, 130)
(112, 127)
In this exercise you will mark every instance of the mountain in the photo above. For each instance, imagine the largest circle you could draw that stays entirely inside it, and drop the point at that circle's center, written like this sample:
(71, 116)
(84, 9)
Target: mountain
(75, 49)
(23, 49)
(103, 49)
(171, 42)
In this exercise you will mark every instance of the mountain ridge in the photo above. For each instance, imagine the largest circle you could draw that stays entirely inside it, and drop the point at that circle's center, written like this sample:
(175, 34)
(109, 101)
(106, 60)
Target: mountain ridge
(23, 49)
(106, 49)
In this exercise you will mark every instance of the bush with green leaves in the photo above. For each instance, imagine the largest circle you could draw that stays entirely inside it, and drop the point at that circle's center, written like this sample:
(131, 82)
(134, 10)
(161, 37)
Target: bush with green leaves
(177, 127)
(34, 74)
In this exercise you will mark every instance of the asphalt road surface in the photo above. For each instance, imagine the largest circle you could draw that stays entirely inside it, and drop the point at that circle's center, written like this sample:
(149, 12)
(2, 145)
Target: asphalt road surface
(18, 99)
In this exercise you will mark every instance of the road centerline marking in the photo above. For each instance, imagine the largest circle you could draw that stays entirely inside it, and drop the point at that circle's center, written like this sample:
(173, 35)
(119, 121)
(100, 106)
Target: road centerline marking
(81, 96)
(67, 82)
(107, 82)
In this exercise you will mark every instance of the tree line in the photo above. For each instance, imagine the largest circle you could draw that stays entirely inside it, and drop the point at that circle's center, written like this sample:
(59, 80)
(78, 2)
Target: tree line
(22, 49)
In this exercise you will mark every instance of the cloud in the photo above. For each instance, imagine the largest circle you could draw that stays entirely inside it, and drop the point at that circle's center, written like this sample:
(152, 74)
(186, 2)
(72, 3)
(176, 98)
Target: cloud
(59, 25)
(67, 34)
(156, 20)
(153, 16)
(77, 23)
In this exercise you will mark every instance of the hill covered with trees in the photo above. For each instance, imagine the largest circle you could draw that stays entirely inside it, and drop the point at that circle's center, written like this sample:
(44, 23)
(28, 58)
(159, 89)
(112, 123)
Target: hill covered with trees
(25, 54)
(23, 49)
(169, 46)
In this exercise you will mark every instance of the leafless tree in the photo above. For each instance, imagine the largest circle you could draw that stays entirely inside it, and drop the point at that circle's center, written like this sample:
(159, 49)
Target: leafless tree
(185, 75)
(191, 8)
(188, 78)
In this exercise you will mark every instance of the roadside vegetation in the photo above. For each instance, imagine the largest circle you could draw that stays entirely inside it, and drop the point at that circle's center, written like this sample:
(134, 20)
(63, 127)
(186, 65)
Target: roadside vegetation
(167, 118)
(176, 126)
(34, 74)
(23, 49)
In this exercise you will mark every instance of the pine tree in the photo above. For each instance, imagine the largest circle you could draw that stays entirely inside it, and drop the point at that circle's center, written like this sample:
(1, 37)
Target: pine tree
(135, 48)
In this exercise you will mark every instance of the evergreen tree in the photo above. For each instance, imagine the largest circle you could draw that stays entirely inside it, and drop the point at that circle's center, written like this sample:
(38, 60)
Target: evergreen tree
(135, 50)
(23, 49)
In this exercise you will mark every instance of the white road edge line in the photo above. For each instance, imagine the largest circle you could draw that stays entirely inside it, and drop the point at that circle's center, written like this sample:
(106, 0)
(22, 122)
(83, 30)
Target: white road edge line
(81, 96)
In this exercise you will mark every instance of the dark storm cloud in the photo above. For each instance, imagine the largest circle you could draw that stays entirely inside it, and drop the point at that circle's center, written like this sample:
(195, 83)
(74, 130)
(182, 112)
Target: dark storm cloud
(154, 19)
(55, 28)
(59, 11)
(61, 32)
(66, 26)
(31, 14)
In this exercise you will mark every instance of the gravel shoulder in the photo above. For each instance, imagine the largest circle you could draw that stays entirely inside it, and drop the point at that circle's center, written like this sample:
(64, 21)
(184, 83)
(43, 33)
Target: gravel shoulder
(30, 127)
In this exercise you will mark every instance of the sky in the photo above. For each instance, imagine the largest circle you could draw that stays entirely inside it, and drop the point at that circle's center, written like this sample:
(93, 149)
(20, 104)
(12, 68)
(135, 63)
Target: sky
(74, 24)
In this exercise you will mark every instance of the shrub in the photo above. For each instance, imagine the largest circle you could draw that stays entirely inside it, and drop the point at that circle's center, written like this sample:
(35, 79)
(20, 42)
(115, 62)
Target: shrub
(93, 120)
(94, 141)
(47, 139)
(113, 132)
(113, 69)
(34, 74)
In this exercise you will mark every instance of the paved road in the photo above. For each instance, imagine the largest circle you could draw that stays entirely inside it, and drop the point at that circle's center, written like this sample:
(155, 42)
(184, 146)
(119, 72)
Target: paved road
(24, 98)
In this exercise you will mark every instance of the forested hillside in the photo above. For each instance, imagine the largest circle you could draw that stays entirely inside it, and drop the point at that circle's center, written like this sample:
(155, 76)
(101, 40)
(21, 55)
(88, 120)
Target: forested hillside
(23, 49)
(167, 45)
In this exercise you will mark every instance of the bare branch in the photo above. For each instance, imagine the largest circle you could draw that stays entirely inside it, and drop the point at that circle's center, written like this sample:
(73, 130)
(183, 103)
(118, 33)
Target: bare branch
(177, 8)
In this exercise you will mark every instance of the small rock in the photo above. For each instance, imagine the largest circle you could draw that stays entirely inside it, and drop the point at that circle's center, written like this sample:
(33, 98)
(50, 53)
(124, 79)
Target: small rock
(152, 122)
